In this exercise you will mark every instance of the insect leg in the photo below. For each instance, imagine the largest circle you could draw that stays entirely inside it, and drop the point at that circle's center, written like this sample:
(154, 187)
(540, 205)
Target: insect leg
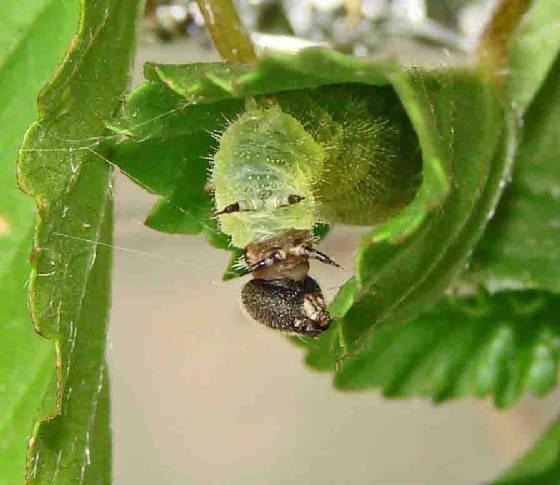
(272, 258)
(313, 254)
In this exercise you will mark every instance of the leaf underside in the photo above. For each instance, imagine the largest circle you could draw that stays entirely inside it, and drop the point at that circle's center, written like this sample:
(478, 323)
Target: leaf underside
(521, 246)
(509, 345)
(63, 166)
(500, 346)
(532, 51)
(32, 43)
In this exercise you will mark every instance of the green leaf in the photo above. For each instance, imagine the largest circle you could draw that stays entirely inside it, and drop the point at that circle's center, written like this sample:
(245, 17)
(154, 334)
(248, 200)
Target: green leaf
(466, 138)
(466, 129)
(521, 246)
(165, 147)
(234, 270)
(532, 50)
(168, 139)
(499, 346)
(32, 43)
(26, 364)
(310, 68)
(75, 447)
(197, 82)
(541, 464)
(519, 250)
(63, 166)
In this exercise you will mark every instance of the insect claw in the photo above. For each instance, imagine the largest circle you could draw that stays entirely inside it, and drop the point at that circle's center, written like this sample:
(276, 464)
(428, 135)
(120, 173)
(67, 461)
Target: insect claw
(322, 257)
(228, 209)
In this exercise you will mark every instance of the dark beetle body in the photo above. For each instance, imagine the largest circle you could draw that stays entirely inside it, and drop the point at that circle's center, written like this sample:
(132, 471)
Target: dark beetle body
(287, 305)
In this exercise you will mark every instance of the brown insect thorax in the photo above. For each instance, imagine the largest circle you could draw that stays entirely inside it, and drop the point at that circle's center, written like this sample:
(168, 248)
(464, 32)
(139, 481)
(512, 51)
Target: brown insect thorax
(283, 254)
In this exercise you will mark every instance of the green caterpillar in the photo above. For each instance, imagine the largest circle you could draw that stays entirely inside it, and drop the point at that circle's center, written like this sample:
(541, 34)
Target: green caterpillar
(326, 155)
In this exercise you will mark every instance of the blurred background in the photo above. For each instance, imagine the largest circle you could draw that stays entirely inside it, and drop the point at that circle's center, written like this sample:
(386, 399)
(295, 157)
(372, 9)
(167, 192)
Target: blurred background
(202, 395)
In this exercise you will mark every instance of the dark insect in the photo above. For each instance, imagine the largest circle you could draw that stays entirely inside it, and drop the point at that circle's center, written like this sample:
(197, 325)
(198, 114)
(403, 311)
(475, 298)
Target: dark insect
(282, 295)
(286, 165)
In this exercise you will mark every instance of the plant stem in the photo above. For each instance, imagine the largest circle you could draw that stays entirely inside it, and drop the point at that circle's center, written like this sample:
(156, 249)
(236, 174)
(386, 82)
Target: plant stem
(228, 34)
(493, 44)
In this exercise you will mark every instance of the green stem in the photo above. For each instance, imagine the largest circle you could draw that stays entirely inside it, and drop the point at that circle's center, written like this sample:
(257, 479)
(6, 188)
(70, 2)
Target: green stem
(228, 34)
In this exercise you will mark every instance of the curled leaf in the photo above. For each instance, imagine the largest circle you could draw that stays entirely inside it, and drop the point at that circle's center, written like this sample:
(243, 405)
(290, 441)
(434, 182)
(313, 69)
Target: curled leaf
(465, 134)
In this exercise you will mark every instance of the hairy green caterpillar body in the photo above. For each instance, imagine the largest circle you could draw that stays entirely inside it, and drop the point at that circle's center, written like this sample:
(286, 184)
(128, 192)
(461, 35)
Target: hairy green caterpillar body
(264, 157)
(306, 157)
